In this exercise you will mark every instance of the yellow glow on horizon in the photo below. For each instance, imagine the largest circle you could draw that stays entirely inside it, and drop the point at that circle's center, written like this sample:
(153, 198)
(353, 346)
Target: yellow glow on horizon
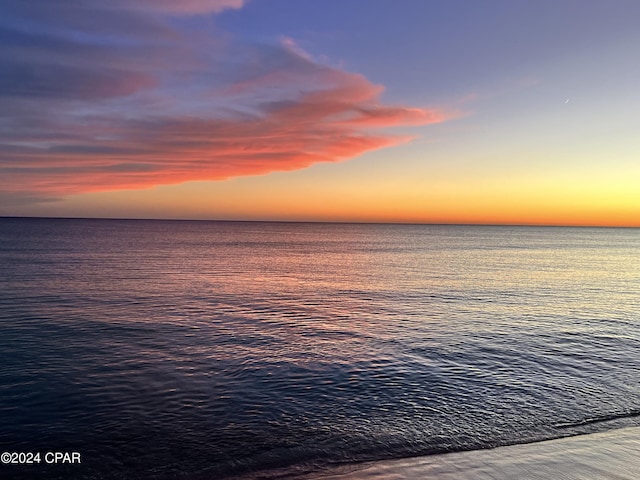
(588, 198)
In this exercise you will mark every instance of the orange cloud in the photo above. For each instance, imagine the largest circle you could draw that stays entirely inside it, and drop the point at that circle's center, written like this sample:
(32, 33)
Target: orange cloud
(322, 126)
(104, 122)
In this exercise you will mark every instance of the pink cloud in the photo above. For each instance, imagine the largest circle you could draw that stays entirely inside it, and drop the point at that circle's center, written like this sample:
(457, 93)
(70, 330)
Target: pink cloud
(249, 110)
(180, 7)
(354, 103)
(321, 126)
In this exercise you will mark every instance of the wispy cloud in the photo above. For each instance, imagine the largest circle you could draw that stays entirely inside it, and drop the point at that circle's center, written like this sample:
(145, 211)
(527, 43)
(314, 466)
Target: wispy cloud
(181, 7)
(88, 107)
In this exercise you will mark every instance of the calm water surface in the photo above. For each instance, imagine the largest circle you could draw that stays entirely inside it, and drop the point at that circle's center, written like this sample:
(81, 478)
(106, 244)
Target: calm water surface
(206, 350)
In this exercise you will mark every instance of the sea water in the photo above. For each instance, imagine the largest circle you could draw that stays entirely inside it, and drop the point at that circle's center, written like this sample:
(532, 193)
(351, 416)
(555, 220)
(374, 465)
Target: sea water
(211, 350)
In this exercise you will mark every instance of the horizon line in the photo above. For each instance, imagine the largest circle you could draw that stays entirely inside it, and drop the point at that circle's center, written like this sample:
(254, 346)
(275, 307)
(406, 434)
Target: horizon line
(328, 222)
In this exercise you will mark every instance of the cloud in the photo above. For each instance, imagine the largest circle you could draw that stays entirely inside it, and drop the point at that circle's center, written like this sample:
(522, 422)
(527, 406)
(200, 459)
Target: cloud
(181, 7)
(22, 79)
(87, 111)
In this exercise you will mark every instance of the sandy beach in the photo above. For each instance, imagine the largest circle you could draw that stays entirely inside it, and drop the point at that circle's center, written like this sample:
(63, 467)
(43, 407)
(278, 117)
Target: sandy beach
(609, 455)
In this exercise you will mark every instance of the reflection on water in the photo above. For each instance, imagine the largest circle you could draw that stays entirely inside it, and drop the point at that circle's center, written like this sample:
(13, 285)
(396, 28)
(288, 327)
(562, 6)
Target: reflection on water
(212, 349)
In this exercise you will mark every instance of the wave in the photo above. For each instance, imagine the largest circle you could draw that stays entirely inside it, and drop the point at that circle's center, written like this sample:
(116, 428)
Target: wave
(603, 418)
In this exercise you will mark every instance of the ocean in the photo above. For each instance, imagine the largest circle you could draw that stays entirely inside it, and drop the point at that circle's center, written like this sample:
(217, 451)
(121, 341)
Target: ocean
(223, 350)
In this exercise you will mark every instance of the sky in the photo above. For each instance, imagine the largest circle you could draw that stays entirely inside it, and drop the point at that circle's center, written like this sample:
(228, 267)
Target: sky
(419, 111)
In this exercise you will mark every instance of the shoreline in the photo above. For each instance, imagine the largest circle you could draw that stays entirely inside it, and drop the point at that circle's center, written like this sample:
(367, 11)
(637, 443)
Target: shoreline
(614, 454)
